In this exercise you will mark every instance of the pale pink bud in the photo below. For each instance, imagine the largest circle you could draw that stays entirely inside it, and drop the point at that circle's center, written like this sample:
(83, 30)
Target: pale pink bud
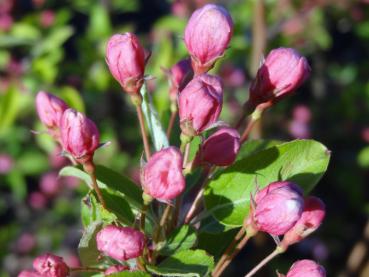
(222, 147)
(200, 104)
(282, 72)
(306, 268)
(120, 243)
(79, 135)
(162, 176)
(29, 273)
(115, 269)
(50, 110)
(277, 208)
(126, 60)
(49, 184)
(49, 265)
(310, 220)
(179, 76)
(207, 36)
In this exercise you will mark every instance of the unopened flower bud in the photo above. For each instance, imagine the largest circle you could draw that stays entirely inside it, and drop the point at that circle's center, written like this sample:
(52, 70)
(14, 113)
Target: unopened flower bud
(120, 243)
(222, 147)
(282, 72)
(310, 220)
(162, 176)
(79, 135)
(50, 110)
(207, 36)
(306, 268)
(126, 60)
(277, 208)
(115, 269)
(200, 104)
(50, 265)
(179, 76)
(29, 273)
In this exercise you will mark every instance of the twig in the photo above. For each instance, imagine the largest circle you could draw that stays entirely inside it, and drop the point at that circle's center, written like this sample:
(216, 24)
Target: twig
(143, 131)
(172, 120)
(89, 168)
(86, 269)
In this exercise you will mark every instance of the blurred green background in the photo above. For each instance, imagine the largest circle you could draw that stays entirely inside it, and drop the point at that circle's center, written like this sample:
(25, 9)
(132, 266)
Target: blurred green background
(59, 45)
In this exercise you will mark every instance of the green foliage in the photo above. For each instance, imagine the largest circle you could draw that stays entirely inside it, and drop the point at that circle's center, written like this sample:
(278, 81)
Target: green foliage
(228, 194)
(181, 239)
(87, 248)
(189, 263)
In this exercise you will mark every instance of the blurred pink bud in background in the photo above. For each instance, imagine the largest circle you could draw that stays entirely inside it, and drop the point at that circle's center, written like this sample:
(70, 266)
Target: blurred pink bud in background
(120, 243)
(49, 184)
(200, 104)
(179, 76)
(25, 243)
(162, 176)
(232, 76)
(207, 35)
(47, 18)
(6, 163)
(37, 200)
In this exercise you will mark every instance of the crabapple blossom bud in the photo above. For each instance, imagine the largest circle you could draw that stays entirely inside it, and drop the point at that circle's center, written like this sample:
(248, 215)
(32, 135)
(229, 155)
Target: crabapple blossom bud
(277, 208)
(50, 110)
(179, 75)
(200, 104)
(50, 265)
(283, 71)
(207, 36)
(29, 273)
(79, 135)
(120, 243)
(162, 176)
(222, 147)
(306, 268)
(126, 60)
(115, 269)
(310, 220)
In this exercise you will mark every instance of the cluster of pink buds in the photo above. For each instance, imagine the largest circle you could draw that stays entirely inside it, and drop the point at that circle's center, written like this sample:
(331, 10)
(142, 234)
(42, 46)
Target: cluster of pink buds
(47, 265)
(280, 209)
(305, 268)
(282, 72)
(162, 176)
(120, 243)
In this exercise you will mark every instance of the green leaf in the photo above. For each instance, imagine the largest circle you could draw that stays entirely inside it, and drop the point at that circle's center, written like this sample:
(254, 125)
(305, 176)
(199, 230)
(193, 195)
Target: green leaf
(190, 263)
(253, 146)
(87, 248)
(181, 239)
(228, 194)
(363, 157)
(73, 98)
(109, 179)
(9, 106)
(215, 244)
(92, 210)
(156, 130)
(130, 274)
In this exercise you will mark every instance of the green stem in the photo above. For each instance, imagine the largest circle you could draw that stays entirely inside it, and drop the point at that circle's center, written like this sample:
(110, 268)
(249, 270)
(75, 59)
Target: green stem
(266, 260)
(89, 168)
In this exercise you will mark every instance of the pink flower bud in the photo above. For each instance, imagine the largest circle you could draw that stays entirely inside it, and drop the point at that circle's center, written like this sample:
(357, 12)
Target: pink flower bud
(222, 147)
(200, 104)
(120, 243)
(29, 273)
(25, 243)
(49, 184)
(115, 269)
(162, 176)
(47, 18)
(50, 110)
(6, 163)
(277, 208)
(207, 36)
(79, 135)
(306, 268)
(37, 200)
(49, 265)
(126, 60)
(310, 220)
(179, 75)
(282, 72)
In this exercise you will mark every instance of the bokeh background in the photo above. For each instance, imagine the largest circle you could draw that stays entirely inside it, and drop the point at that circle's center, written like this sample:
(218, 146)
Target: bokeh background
(58, 46)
